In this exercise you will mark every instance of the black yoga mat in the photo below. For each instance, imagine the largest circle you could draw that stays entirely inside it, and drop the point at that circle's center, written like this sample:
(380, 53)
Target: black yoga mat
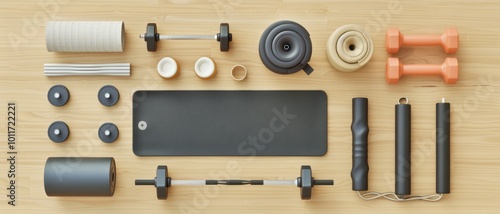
(229, 123)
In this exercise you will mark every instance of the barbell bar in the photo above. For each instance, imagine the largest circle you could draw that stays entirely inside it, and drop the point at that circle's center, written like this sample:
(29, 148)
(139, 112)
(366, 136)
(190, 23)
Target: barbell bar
(163, 182)
(152, 37)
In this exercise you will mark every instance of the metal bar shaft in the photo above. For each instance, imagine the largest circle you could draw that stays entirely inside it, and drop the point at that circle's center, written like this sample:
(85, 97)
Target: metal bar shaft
(184, 37)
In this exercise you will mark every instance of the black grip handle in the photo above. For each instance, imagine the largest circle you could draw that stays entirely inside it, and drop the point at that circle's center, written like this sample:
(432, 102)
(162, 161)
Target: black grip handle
(403, 149)
(442, 148)
(359, 129)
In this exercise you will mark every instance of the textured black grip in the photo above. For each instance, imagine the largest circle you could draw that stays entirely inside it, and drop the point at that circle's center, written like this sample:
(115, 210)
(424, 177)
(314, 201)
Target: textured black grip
(443, 148)
(359, 129)
(403, 149)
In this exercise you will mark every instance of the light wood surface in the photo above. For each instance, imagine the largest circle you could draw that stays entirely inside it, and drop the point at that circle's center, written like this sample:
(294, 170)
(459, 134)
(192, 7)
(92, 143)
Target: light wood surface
(475, 172)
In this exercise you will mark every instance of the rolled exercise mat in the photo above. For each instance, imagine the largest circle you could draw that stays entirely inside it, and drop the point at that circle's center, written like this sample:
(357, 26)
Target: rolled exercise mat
(76, 176)
(110, 69)
(230, 123)
(85, 36)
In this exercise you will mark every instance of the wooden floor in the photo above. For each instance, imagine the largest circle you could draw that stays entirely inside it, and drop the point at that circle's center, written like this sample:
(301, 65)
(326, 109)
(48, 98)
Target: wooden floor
(475, 168)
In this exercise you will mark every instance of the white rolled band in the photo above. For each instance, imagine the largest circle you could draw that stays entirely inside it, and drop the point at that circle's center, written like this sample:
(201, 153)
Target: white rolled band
(113, 69)
(85, 36)
(349, 48)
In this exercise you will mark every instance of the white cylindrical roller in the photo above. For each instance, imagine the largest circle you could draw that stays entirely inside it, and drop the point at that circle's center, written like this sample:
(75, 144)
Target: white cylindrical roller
(111, 69)
(85, 36)
(280, 182)
(187, 182)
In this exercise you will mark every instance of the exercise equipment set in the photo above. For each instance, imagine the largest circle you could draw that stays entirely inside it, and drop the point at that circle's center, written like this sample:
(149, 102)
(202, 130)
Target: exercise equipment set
(85, 36)
(108, 95)
(58, 132)
(152, 37)
(305, 182)
(242, 123)
(109, 69)
(359, 172)
(58, 95)
(235, 123)
(78, 176)
(349, 48)
(448, 70)
(108, 132)
(448, 40)
(285, 48)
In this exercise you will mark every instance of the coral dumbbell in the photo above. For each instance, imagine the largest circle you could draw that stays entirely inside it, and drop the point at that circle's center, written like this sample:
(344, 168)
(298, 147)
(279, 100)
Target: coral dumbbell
(448, 40)
(448, 70)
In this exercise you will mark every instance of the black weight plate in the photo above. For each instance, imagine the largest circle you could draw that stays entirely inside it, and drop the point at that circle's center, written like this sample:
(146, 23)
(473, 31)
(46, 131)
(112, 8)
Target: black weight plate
(63, 132)
(151, 37)
(230, 123)
(113, 132)
(224, 37)
(63, 97)
(113, 98)
(161, 182)
(306, 182)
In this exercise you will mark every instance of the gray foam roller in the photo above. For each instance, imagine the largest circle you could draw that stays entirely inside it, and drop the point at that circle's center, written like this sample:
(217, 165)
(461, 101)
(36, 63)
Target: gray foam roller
(76, 176)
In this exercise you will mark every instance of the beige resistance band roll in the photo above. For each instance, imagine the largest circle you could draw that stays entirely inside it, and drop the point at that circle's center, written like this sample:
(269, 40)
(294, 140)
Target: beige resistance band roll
(349, 48)
(85, 36)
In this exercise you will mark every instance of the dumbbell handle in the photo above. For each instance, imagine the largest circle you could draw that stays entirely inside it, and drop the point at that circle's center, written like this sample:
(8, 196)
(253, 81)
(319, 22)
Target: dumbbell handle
(184, 37)
(422, 70)
(422, 40)
(233, 182)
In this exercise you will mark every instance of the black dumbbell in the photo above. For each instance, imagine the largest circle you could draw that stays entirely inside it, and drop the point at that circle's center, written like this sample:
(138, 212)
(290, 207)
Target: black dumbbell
(152, 37)
(305, 182)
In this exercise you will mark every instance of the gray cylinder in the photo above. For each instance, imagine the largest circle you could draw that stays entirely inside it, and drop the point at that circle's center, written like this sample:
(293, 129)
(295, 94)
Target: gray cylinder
(76, 176)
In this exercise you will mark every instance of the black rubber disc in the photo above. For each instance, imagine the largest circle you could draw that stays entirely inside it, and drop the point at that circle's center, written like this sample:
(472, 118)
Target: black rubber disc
(161, 182)
(58, 95)
(224, 37)
(306, 182)
(152, 37)
(108, 95)
(285, 48)
(58, 132)
(108, 132)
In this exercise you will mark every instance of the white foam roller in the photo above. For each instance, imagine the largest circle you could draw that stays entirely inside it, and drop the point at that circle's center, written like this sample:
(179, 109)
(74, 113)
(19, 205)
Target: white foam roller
(110, 69)
(85, 36)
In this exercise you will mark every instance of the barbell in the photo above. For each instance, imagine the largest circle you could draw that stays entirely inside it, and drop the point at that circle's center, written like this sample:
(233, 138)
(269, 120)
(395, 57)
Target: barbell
(163, 182)
(152, 37)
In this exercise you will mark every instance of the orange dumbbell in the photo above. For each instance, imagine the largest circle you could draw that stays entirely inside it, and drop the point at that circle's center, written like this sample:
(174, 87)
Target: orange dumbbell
(395, 70)
(448, 40)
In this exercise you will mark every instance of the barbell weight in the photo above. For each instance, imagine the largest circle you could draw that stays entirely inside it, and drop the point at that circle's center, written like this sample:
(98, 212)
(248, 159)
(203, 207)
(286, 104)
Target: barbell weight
(163, 182)
(152, 37)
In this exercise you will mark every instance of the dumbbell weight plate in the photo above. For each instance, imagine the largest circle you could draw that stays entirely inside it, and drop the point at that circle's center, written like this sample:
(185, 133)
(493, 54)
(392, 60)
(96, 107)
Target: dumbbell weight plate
(224, 37)
(161, 182)
(305, 182)
(151, 37)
